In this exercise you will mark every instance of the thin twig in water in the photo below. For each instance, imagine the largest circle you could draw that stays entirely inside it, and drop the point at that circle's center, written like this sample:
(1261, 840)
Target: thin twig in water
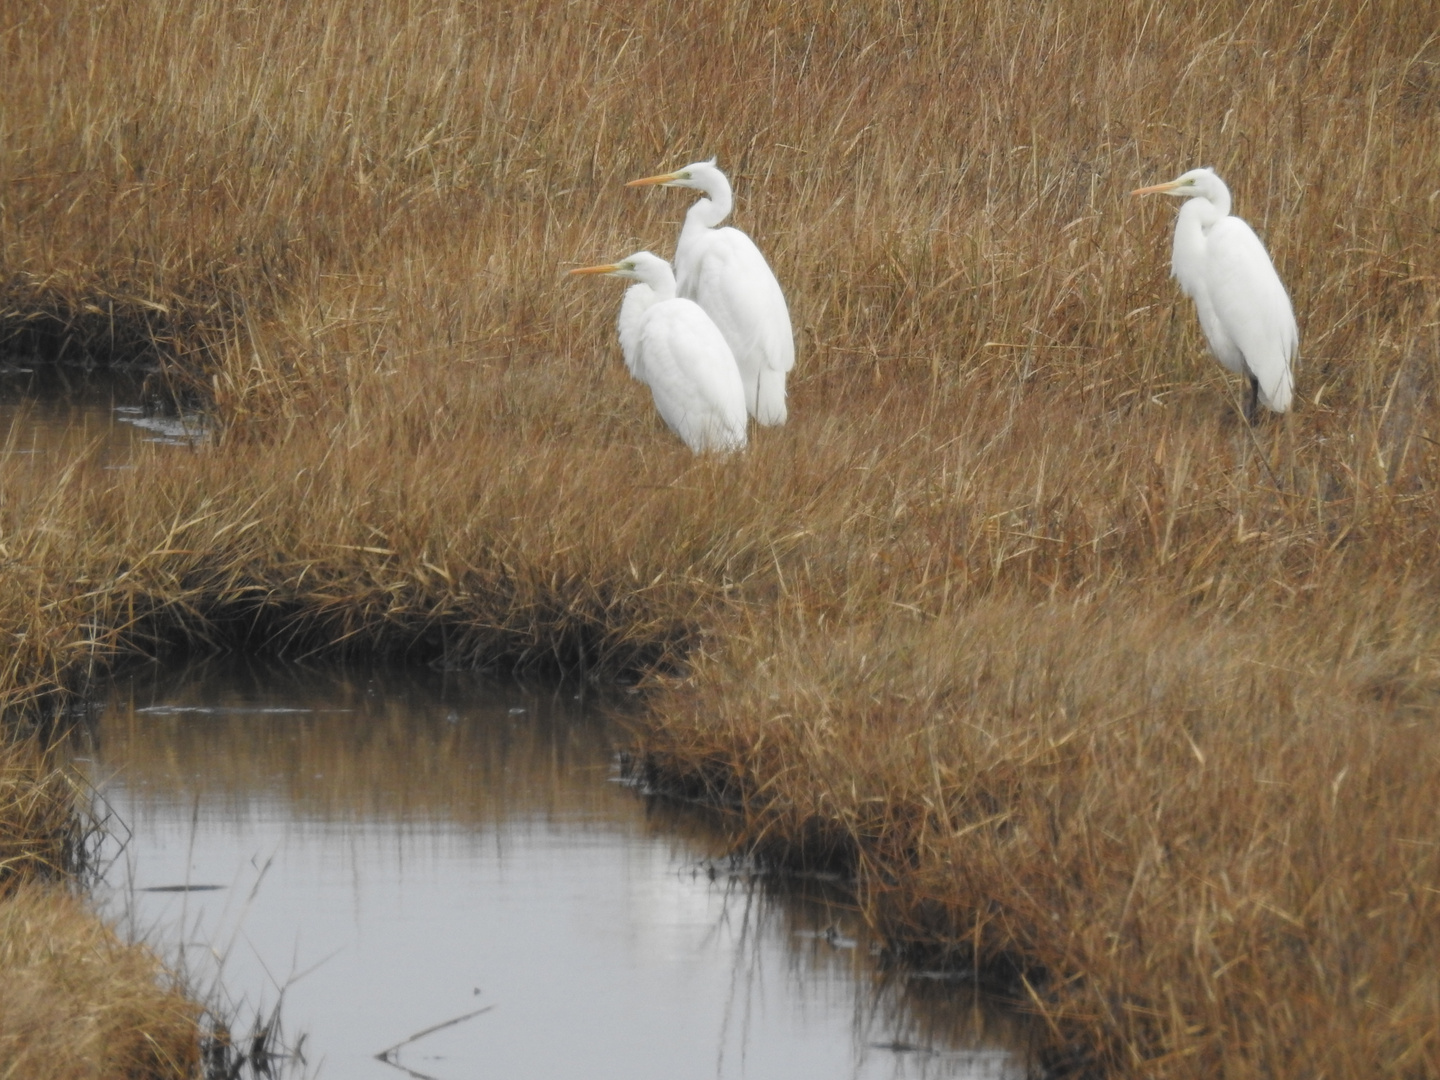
(384, 1055)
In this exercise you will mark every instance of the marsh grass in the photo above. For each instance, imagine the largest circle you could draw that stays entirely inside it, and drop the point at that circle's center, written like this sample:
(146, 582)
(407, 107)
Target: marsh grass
(77, 1002)
(44, 837)
(1014, 619)
(1089, 800)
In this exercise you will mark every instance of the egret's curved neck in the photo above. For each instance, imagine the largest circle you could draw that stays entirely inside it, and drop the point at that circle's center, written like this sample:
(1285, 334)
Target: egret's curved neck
(1218, 195)
(661, 278)
(715, 207)
(1187, 260)
(1201, 212)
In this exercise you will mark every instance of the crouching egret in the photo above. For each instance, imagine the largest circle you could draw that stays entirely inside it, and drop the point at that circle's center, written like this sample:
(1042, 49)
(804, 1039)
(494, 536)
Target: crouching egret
(1244, 309)
(723, 271)
(674, 348)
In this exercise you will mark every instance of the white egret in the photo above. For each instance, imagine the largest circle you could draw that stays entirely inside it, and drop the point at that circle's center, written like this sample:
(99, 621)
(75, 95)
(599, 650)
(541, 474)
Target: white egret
(674, 348)
(723, 271)
(1244, 309)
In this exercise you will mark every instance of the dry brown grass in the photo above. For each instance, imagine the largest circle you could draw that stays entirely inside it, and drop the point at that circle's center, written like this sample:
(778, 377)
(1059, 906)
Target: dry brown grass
(1013, 616)
(43, 837)
(78, 1004)
(1201, 837)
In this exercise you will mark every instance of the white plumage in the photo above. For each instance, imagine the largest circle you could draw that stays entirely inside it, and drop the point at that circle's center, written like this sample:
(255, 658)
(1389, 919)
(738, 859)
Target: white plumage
(1244, 310)
(672, 346)
(723, 271)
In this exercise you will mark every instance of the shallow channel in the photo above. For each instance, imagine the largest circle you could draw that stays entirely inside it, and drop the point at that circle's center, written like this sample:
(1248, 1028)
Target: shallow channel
(49, 411)
(394, 849)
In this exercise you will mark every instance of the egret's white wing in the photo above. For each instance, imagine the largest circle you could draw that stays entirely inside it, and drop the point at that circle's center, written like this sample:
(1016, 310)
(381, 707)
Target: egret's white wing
(723, 271)
(692, 374)
(1252, 307)
(639, 298)
(1189, 264)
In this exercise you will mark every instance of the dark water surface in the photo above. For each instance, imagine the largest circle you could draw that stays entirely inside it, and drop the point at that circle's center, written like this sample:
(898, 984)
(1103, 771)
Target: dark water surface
(394, 849)
(48, 411)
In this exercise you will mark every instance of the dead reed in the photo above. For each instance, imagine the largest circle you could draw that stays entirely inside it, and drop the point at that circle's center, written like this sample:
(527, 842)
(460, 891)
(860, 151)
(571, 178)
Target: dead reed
(43, 836)
(1108, 800)
(76, 1002)
(1013, 618)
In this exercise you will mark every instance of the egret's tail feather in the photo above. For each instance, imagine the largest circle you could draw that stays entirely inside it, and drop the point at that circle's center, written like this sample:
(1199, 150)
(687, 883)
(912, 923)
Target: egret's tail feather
(770, 408)
(1277, 398)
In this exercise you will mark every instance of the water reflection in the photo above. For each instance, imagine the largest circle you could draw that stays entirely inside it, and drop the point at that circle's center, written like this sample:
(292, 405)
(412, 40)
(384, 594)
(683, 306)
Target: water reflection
(394, 849)
(50, 409)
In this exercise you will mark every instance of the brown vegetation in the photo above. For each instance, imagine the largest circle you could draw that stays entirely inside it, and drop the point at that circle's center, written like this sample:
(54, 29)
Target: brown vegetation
(1013, 617)
(43, 838)
(76, 1003)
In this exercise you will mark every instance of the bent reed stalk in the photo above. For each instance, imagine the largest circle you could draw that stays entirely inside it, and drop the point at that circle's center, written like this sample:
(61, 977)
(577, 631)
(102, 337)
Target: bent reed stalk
(1015, 619)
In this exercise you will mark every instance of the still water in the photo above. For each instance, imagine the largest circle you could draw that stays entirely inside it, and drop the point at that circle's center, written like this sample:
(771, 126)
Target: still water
(49, 411)
(393, 849)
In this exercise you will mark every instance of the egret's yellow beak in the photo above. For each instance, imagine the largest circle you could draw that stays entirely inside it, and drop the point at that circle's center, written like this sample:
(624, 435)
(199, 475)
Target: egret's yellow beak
(663, 178)
(608, 268)
(1155, 189)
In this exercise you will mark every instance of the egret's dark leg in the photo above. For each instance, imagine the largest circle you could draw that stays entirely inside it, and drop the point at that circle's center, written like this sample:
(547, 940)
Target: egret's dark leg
(1252, 407)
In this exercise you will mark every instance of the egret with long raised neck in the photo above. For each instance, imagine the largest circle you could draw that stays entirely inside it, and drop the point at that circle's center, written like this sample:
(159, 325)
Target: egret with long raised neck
(723, 271)
(1244, 309)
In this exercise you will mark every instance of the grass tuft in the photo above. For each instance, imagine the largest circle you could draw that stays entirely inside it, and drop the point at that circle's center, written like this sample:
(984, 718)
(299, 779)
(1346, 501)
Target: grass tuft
(77, 1002)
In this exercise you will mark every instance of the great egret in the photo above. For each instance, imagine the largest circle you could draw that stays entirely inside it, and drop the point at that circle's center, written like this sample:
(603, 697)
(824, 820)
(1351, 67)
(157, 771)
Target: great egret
(674, 348)
(1244, 309)
(723, 271)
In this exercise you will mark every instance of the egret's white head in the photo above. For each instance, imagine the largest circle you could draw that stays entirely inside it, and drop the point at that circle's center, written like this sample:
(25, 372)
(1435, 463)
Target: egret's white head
(642, 266)
(1197, 183)
(703, 175)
